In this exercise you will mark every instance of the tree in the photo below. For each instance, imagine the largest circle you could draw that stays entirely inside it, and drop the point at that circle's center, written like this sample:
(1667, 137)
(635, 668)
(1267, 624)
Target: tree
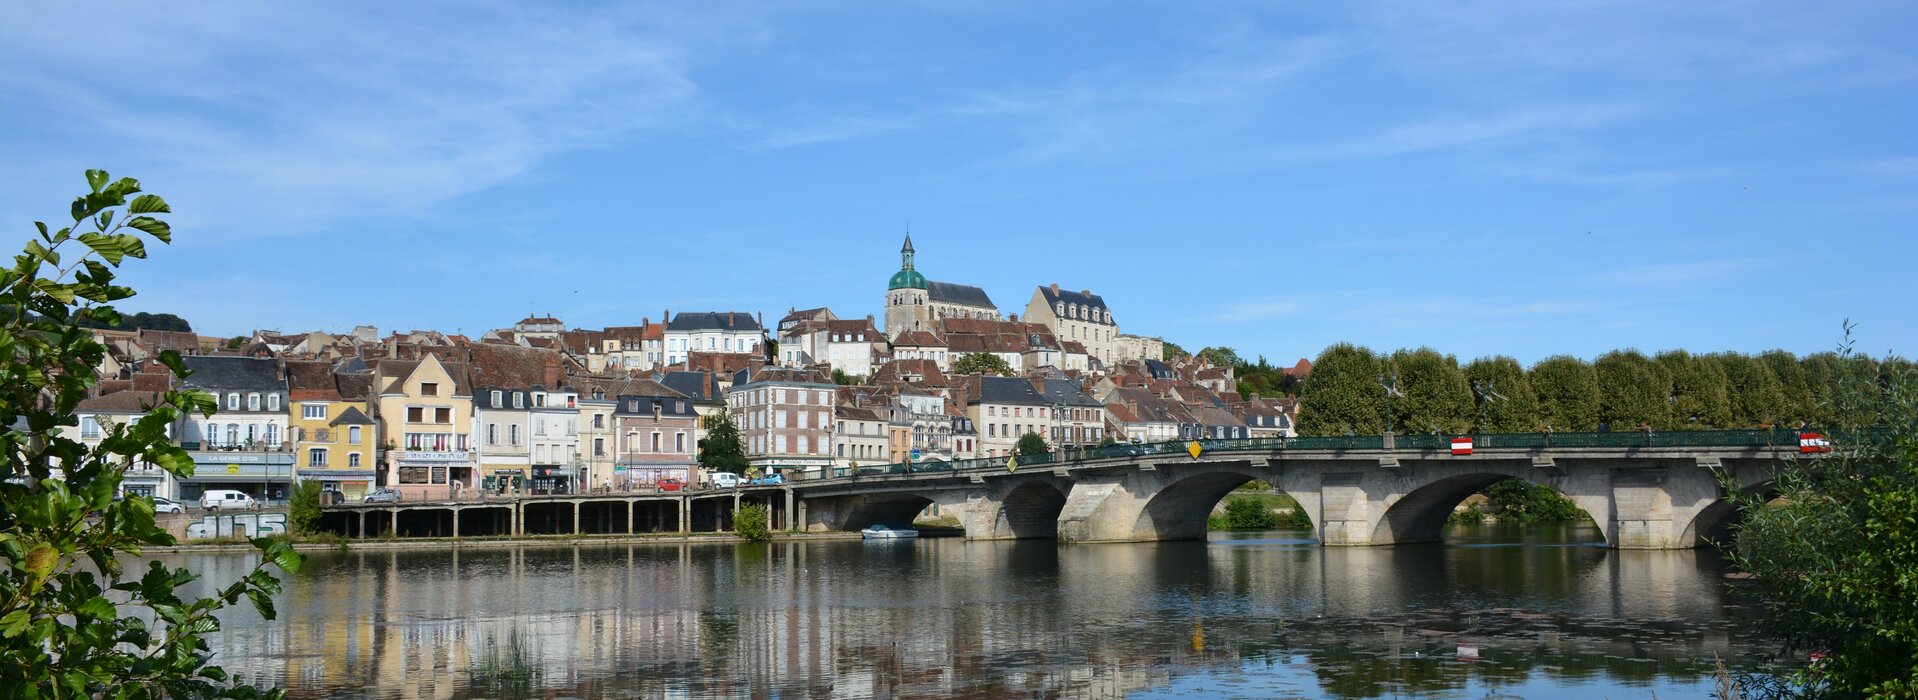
(1632, 391)
(751, 522)
(1701, 396)
(1249, 513)
(840, 377)
(1032, 444)
(73, 619)
(303, 507)
(235, 342)
(1834, 561)
(1343, 396)
(981, 363)
(1222, 357)
(1436, 398)
(1171, 351)
(1757, 398)
(144, 320)
(1567, 389)
(721, 449)
(1505, 402)
(1526, 502)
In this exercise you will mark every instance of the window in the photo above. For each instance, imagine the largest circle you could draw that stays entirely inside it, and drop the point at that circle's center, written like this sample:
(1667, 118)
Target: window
(443, 415)
(272, 434)
(779, 419)
(599, 420)
(89, 427)
(492, 433)
(779, 444)
(599, 447)
(413, 475)
(632, 442)
(429, 388)
(803, 445)
(233, 402)
(232, 433)
(313, 412)
(519, 400)
(252, 433)
(253, 402)
(415, 414)
(497, 397)
(655, 441)
(352, 460)
(802, 418)
(512, 435)
(273, 402)
(353, 435)
(539, 401)
(316, 458)
(679, 442)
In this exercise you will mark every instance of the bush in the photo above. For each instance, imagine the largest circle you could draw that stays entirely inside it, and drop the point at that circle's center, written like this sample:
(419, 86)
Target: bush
(1470, 515)
(1249, 514)
(1525, 502)
(303, 510)
(1294, 519)
(750, 522)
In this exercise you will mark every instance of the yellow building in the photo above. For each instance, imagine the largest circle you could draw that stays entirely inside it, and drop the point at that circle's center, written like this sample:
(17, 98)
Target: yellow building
(333, 438)
(425, 414)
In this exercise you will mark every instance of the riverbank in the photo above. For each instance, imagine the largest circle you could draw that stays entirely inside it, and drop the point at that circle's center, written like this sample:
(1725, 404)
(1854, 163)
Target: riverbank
(236, 545)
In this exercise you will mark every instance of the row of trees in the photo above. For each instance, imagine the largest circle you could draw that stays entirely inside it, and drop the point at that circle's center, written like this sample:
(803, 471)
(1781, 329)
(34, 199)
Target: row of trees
(1353, 390)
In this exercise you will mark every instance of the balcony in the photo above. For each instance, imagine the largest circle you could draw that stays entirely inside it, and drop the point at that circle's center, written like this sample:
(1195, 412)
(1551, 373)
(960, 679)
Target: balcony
(255, 447)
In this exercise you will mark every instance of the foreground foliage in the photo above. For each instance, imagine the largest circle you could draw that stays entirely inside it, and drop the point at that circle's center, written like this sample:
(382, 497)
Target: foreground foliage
(73, 621)
(1835, 560)
(751, 522)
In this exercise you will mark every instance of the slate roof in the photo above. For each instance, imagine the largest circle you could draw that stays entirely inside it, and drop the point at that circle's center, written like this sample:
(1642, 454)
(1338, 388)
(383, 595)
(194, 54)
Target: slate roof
(1054, 294)
(1065, 391)
(352, 416)
(613, 387)
(118, 402)
(962, 294)
(701, 386)
(233, 372)
(918, 339)
(1013, 391)
(781, 374)
(714, 320)
(638, 405)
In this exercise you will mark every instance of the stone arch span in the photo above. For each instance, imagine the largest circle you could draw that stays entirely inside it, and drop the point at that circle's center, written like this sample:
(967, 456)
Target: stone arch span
(1420, 514)
(1028, 509)
(1166, 503)
(1715, 521)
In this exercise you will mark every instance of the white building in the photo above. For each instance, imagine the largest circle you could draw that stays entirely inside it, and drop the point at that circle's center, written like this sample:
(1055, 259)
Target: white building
(712, 331)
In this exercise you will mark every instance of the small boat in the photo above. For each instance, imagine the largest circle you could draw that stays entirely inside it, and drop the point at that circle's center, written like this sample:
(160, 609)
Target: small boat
(881, 532)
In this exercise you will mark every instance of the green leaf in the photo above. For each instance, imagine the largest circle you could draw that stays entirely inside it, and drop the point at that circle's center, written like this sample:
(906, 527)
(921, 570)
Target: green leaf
(154, 227)
(149, 204)
(261, 602)
(96, 179)
(110, 248)
(15, 623)
(42, 252)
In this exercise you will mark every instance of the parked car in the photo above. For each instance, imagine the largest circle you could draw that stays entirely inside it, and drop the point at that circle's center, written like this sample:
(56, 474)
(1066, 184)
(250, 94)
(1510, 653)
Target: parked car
(725, 480)
(770, 480)
(227, 499)
(671, 484)
(167, 505)
(381, 496)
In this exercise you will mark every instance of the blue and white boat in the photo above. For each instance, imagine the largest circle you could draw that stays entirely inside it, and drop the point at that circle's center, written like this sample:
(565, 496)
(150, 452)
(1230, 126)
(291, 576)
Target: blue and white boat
(881, 532)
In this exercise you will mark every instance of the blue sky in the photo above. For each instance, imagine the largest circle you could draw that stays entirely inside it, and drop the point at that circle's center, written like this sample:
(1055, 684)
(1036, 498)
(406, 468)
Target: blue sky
(1482, 178)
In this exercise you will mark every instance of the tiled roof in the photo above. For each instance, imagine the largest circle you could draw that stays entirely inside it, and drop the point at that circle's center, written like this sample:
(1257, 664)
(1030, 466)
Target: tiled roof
(918, 339)
(118, 402)
(497, 366)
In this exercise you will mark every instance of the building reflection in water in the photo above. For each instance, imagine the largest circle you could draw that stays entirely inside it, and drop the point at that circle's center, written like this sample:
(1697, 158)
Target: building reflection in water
(937, 618)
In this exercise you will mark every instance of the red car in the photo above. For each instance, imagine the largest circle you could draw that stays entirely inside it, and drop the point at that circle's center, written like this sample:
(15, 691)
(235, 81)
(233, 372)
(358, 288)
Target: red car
(671, 484)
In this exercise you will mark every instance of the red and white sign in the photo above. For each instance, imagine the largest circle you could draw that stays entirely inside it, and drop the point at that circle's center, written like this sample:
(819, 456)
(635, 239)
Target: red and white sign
(1809, 443)
(1461, 446)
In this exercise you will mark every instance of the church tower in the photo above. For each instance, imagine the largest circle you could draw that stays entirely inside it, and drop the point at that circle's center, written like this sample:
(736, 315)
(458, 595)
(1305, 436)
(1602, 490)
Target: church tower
(906, 296)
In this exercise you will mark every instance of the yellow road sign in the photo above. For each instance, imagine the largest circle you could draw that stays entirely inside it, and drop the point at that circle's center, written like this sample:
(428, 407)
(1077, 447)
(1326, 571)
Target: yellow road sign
(1012, 463)
(1194, 449)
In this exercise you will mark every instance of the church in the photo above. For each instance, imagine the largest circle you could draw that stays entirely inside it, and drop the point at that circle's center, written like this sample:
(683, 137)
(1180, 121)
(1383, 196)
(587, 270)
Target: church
(914, 303)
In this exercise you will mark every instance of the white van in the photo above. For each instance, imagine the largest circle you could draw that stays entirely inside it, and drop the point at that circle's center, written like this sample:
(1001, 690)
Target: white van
(223, 499)
(725, 480)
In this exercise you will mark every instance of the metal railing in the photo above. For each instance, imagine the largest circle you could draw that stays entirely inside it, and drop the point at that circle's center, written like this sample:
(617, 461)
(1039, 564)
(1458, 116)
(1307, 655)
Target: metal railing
(1779, 438)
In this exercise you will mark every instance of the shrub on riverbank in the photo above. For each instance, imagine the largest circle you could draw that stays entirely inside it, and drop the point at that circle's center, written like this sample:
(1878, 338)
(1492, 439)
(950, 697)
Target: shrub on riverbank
(750, 522)
(1525, 502)
(303, 509)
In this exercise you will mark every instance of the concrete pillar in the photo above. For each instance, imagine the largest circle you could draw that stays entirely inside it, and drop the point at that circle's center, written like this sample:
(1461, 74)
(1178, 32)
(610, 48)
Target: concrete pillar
(362, 532)
(786, 514)
(734, 513)
(512, 520)
(685, 515)
(576, 505)
(799, 516)
(630, 507)
(394, 516)
(456, 523)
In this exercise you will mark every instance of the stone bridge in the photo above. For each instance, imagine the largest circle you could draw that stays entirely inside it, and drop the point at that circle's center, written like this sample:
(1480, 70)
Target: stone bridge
(1643, 490)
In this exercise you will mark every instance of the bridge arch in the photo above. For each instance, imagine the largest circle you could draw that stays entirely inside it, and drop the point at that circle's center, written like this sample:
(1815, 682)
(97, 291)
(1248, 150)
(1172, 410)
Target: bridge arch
(1420, 515)
(1714, 522)
(1028, 509)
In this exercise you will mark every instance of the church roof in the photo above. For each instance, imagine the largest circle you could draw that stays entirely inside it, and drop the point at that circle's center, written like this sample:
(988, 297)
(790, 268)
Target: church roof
(907, 279)
(961, 294)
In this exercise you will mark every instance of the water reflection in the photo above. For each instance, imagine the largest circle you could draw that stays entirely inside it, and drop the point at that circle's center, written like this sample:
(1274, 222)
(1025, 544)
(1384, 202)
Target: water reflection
(1261, 615)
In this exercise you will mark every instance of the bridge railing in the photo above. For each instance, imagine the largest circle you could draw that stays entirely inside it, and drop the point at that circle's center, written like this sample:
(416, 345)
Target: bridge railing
(1778, 437)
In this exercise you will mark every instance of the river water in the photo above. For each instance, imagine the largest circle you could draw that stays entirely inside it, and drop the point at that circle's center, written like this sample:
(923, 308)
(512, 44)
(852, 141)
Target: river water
(1539, 612)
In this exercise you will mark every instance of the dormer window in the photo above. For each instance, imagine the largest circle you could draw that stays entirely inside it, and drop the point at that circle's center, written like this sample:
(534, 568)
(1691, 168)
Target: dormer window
(429, 388)
(632, 406)
(273, 402)
(499, 398)
(539, 401)
(519, 400)
(253, 402)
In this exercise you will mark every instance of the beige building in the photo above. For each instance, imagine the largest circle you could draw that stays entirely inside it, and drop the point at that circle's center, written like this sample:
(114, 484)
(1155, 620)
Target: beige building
(914, 303)
(333, 438)
(1139, 347)
(424, 412)
(1080, 317)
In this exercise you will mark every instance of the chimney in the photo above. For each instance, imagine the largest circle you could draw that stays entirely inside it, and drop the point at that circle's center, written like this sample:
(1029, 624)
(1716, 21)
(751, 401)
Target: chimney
(1086, 292)
(666, 316)
(729, 319)
(761, 317)
(552, 373)
(1055, 289)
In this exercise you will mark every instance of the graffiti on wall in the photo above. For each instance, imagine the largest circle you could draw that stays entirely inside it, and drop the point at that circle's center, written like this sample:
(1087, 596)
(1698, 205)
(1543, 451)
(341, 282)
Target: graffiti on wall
(240, 525)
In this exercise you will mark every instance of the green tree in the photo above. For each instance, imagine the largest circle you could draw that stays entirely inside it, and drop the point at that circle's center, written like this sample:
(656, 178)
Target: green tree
(1834, 562)
(1793, 382)
(1247, 513)
(1823, 372)
(1222, 357)
(981, 363)
(73, 619)
(751, 522)
(1505, 402)
(1436, 398)
(1757, 398)
(1032, 444)
(235, 342)
(1632, 391)
(721, 449)
(303, 507)
(1526, 502)
(144, 320)
(1171, 351)
(1700, 392)
(1343, 394)
(1567, 389)
(840, 377)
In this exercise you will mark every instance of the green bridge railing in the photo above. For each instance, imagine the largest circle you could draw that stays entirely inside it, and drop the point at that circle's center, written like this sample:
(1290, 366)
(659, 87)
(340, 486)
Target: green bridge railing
(1781, 437)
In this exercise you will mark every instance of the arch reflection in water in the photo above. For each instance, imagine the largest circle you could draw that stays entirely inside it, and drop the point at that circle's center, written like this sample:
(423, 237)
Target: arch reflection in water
(1263, 614)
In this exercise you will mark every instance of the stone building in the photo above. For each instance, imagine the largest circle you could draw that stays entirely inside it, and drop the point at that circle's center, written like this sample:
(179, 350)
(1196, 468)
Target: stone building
(785, 417)
(712, 331)
(1077, 316)
(244, 445)
(915, 303)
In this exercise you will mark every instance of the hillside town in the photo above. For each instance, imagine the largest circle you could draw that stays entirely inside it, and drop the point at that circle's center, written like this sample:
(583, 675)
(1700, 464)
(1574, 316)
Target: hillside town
(543, 408)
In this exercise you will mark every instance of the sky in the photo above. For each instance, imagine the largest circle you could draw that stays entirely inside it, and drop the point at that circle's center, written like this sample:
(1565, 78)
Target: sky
(1525, 179)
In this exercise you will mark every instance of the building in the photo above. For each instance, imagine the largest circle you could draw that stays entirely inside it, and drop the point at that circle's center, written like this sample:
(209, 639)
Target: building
(915, 303)
(425, 414)
(243, 445)
(1080, 317)
(1138, 347)
(847, 346)
(712, 331)
(658, 432)
(1010, 407)
(97, 417)
(920, 345)
(333, 437)
(641, 347)
(860, 429)
(785, 417)
(526, 419)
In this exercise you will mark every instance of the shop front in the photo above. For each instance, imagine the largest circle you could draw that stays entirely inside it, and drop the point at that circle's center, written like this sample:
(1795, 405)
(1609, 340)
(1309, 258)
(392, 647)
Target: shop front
(646, 477)
(504, 481)
(266, 476)
(431, 475)
(351, 484)
(551, 479)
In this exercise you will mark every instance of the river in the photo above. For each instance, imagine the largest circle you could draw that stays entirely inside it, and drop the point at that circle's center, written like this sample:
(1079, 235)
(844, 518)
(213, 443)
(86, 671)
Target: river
(1496, 611)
